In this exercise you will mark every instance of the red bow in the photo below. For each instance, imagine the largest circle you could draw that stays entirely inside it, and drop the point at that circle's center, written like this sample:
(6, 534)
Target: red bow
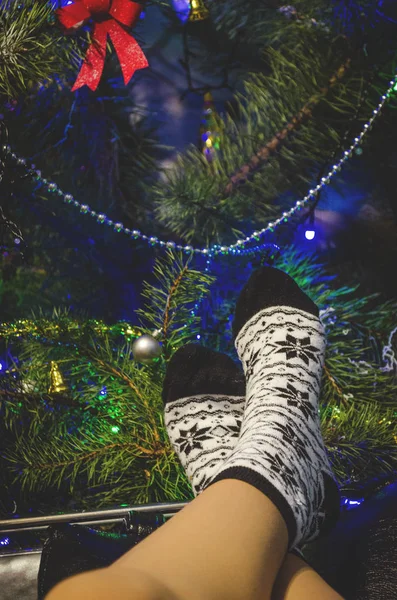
(107, 16)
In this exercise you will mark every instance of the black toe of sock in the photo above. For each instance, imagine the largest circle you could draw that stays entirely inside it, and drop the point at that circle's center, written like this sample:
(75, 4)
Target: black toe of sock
(269, 287)
(195, 370)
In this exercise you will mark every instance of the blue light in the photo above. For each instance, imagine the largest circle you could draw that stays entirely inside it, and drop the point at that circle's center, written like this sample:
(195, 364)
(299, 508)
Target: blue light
(182, 9)
(4, 542)
(198, 336)
(1, 366)
(352, 503)
(310, 234)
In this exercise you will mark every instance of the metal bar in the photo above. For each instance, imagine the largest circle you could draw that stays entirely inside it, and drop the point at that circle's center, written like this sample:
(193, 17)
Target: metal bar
(41, 527)
(20, 553)
(97, 522)
(92, 517)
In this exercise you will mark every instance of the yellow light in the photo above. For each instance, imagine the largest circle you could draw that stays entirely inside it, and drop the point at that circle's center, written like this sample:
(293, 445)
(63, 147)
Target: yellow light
(198, 11)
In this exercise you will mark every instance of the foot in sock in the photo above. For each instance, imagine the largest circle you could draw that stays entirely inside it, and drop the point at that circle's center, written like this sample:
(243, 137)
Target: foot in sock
(204, 398)
(281, 344)
(207, 390)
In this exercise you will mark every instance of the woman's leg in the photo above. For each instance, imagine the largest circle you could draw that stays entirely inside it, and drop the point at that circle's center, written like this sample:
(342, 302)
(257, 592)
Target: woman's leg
(105, 584)
(229, 543)
(297, 581)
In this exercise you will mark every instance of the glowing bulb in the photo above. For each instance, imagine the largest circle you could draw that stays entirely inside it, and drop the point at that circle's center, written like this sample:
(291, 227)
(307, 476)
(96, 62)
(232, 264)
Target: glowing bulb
(310, 234)
(182, 9)
(355, 502)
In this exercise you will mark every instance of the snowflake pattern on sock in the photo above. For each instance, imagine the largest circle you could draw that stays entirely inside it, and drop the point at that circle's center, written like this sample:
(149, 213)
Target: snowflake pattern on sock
(295, 398)
(192, 439)
(294, 347)
(203, 430)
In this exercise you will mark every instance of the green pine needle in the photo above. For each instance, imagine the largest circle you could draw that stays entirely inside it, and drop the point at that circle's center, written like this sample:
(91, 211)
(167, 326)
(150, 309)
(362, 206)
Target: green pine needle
(109, 445)
(32, 48)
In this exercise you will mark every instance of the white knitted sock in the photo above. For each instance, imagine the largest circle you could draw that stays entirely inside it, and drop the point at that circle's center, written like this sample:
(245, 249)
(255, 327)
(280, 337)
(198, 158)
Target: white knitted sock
(281, 450)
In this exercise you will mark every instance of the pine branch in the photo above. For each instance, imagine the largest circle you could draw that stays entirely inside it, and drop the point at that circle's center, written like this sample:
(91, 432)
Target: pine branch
(114, 394)
(122, 376)
(335, 386)
(169, 302)
(36, 398)
(60, 131)
(263, 154)
(46, 466)
(193, 200)
(114, 447)
(173, 290)
(31, 47)
(360, 441)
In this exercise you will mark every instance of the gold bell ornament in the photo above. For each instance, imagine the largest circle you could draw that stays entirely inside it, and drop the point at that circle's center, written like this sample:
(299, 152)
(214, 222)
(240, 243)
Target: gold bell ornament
(198, 11)
(57, 384)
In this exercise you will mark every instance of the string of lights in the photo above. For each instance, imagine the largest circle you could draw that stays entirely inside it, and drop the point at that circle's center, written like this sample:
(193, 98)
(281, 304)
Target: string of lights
(239, 247)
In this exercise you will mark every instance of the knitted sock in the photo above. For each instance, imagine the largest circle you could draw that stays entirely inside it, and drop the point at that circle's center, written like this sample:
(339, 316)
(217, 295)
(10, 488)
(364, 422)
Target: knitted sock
(281, 343)
(204, 398)
(192, 370)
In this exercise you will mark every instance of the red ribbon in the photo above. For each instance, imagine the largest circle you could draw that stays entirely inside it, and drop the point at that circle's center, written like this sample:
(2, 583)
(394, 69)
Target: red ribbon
(108, 17)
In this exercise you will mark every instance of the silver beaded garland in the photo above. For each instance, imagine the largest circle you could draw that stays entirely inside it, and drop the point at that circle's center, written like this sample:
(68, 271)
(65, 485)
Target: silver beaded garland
(146, 349)
(238, 247)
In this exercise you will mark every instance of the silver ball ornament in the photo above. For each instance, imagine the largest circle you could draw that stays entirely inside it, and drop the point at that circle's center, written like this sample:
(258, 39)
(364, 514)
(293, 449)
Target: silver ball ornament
(145, 349)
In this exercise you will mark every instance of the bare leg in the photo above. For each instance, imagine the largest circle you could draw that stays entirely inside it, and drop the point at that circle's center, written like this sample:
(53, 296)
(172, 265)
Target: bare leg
(230, 542)
(227, 544)
(297, 581)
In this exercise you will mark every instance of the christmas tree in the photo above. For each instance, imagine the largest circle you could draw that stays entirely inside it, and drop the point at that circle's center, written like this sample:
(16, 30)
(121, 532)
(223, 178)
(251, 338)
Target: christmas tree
(136, 201)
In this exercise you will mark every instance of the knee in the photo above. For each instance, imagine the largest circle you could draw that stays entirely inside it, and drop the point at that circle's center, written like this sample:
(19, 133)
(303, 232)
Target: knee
(106, 584)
